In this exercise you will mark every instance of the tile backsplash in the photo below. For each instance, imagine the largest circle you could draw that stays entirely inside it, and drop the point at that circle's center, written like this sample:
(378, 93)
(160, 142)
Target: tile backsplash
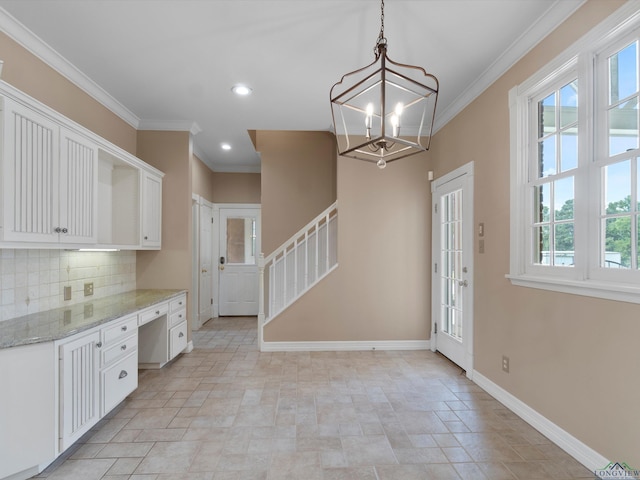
(33, 281)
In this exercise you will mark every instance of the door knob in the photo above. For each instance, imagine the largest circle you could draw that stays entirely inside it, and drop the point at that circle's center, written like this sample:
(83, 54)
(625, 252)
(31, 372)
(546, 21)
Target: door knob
(221, 267)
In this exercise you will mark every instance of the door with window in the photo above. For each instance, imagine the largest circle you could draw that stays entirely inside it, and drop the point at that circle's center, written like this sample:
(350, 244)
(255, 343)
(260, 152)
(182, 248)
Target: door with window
(452, 285)
(239, 248)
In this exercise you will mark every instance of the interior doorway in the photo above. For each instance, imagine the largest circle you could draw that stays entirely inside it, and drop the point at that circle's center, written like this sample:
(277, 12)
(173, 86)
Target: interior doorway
(452, 269)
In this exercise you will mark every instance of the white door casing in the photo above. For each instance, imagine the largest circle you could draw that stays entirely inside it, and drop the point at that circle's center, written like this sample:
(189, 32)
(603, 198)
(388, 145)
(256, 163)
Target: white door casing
(452, 269)
(238, 250)
(205, 294)
(195, 262)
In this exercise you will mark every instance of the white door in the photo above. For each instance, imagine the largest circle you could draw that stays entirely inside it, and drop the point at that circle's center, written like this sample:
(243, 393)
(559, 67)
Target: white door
(205, 291)
(239, 249)
(452, 294)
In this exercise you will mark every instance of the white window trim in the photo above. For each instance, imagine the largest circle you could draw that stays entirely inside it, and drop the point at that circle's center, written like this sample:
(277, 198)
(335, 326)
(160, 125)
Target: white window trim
(579, 57)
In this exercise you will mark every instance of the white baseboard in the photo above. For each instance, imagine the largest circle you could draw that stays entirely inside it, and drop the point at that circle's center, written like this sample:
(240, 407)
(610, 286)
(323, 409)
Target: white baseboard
(584, 454)
(344, 346)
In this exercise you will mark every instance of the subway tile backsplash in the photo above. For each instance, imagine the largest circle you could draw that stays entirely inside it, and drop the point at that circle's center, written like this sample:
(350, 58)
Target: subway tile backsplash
(33, 281)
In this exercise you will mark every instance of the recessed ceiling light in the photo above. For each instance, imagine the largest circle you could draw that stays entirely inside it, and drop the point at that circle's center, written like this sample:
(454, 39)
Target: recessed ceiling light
(225, 146)
(241, 90)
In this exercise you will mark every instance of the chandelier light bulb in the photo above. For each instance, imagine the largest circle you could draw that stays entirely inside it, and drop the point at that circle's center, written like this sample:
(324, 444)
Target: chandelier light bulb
(395, 123)
(399, 109)
(382, 163)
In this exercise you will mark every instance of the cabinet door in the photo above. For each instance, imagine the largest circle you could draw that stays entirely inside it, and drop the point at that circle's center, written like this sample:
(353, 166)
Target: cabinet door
(30, 175)
(78, 188)
(79, 387)
(151, 210)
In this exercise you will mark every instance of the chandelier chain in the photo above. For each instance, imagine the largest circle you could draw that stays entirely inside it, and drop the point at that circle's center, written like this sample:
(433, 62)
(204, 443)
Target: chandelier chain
(381, 39)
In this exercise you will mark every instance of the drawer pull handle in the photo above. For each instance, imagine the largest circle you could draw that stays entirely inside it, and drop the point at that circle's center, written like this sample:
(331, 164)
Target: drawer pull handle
(99, 345)
(180, 335)
(123, 374)
(124, 328)
(123, 347)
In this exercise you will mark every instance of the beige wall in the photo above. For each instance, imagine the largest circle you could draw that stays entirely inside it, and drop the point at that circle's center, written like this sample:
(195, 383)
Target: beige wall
(171, 266)
(298, 181)
(201, 179)
(32, 76)
(236, 187)
(380, 290)
(220, 187)
(573, 359)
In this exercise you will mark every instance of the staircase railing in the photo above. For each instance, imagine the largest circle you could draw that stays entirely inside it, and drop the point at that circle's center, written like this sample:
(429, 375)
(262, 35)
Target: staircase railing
(301, 262)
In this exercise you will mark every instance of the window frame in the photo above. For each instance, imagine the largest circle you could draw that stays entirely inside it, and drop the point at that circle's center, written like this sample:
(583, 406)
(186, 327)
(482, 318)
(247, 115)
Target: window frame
(581, 61)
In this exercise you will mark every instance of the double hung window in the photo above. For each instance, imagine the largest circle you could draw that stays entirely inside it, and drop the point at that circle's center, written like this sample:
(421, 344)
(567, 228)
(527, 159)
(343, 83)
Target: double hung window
(575, 173)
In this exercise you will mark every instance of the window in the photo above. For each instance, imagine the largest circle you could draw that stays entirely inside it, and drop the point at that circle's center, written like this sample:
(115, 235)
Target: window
(575, 145)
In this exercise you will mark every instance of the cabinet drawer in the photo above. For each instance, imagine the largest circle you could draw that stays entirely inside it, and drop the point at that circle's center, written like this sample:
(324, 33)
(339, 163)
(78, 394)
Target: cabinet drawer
(177, 339)
(120, 349)
(152, 313)
(119, 330)
(118, 381)
(177, 317)
(178, 303)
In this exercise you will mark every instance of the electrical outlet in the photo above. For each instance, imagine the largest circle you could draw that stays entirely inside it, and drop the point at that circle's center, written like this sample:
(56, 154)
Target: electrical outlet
(505, 364)
(88, 289)
(67, 293)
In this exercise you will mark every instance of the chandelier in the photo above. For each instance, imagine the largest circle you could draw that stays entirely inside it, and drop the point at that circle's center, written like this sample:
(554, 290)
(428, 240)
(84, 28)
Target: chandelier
(385, 111)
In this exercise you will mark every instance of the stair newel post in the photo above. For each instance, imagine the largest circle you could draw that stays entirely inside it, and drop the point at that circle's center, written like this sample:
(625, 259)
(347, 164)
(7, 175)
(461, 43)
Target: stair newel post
(260, 298)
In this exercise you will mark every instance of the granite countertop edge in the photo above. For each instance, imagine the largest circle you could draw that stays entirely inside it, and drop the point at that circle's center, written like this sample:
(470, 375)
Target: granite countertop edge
(59, 323)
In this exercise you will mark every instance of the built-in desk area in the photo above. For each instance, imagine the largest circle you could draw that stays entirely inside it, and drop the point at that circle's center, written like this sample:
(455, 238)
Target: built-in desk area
(63, 370)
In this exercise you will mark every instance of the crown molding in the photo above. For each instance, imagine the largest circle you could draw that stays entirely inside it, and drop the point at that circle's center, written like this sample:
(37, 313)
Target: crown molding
(170, 125)
(35, 45)
(553, 17)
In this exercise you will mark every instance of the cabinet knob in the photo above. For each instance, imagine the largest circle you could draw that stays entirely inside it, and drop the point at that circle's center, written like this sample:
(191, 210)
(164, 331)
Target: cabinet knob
(180, 335)
(146, 238)
(99, 345)
(180, 316)
(124, 328)
(123, 374)
(65, 230)
(157, 312)
(123, 347)
(57, 230)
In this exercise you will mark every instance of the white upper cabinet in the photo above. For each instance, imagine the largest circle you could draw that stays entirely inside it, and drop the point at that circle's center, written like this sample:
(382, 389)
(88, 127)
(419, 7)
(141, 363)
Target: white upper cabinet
(151, 211)
(78, 188)
(30, 171)
(65, 187)
(50, 177)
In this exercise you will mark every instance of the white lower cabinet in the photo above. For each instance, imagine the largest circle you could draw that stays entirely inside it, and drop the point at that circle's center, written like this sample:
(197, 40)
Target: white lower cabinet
(79, 387)
(27, 409)
(98, 370)
(118, 381)
(119, 365)
(177, 339)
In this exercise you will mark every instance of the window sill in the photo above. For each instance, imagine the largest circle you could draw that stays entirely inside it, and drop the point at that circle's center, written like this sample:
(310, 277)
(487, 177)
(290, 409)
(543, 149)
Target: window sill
(621, 292)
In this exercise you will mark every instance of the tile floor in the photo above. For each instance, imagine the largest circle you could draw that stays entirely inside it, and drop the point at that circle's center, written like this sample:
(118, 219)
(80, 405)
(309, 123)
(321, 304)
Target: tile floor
(228, 412)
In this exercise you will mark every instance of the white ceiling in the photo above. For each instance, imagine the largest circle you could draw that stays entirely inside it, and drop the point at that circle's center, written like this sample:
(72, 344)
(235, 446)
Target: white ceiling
(172, 63)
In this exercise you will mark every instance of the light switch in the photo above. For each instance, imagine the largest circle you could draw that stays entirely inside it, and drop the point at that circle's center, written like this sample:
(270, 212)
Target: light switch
(481, 229)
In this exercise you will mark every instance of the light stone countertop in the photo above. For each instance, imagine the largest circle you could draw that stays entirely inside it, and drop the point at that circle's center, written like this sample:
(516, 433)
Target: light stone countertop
(62, 322)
